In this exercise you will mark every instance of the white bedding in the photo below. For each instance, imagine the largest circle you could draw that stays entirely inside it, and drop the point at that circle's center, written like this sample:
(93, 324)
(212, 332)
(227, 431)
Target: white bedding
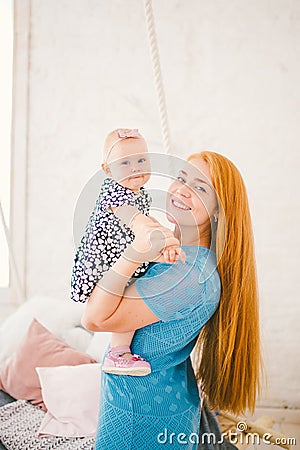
(20, 422)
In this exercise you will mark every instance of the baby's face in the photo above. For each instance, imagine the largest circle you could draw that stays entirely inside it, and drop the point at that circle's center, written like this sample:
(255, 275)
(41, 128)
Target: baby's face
(129, 164)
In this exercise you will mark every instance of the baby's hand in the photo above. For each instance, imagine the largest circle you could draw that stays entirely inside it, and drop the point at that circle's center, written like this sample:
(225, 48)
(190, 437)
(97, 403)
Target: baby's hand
(173, 254)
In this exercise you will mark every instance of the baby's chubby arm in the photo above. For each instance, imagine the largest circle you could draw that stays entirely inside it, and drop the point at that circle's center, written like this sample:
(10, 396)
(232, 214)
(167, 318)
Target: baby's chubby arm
(128, 214)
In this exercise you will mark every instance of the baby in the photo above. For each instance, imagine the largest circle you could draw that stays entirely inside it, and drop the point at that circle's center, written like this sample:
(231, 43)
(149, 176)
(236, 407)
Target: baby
(126, 162)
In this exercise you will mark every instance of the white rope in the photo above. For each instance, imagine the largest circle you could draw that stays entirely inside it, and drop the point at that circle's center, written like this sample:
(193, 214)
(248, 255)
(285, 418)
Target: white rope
(154, 52)
(13, 265)
(158, 76)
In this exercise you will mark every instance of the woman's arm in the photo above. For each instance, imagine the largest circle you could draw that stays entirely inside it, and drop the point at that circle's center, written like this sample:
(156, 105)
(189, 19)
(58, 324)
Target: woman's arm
(109, 308)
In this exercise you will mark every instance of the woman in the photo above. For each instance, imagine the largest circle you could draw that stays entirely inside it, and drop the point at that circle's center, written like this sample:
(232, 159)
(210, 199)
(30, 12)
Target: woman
(171, 304)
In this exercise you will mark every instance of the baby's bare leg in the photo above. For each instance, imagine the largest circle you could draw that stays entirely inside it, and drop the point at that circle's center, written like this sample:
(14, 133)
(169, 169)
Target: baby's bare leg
(121, 339)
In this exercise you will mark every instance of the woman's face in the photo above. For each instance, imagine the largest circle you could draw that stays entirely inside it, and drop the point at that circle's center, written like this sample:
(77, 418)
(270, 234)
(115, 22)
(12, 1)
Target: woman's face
(191, 199)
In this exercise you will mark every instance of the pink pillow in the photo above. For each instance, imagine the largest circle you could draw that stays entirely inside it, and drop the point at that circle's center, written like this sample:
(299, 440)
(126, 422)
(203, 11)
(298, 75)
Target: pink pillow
(38, 348)
(71, 395)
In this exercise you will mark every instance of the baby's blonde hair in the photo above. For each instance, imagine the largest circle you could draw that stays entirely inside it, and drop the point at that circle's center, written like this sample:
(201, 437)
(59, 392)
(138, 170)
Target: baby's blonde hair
(116, 136)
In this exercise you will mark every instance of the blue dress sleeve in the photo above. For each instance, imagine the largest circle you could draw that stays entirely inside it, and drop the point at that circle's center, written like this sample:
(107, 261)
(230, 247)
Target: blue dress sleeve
(172, 291)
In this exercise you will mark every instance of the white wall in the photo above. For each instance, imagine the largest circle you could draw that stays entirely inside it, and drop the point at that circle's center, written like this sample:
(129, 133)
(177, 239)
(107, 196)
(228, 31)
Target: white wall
(231, 72)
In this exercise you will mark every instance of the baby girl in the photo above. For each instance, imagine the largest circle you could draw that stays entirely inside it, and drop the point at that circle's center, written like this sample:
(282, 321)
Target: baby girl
(127, 166)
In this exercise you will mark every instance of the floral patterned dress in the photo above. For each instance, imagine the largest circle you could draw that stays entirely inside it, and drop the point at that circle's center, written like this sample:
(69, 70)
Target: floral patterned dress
(105, 238)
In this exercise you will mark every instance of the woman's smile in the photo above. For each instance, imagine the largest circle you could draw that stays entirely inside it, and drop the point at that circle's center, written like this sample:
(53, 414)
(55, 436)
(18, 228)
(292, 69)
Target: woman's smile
(179, 205)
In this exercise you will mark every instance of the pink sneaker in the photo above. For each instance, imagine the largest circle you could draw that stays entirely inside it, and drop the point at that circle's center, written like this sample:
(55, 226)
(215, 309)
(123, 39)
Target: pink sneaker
(116, 364)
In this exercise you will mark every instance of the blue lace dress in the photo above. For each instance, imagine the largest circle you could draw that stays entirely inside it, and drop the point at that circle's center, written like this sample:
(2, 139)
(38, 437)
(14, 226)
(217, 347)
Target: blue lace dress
(161, 410)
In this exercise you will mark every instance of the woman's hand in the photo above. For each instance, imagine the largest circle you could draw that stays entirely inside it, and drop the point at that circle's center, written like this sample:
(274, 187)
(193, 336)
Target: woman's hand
(138, 222)
(151, 239)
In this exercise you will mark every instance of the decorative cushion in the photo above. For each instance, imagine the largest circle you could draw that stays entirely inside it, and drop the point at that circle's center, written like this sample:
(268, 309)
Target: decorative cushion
(56, 315)
(71, 396)
(78, 337)
(38, 348)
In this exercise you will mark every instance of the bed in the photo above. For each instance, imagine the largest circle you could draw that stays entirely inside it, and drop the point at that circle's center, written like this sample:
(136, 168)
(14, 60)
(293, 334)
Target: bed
(4, 400)
(46, 333)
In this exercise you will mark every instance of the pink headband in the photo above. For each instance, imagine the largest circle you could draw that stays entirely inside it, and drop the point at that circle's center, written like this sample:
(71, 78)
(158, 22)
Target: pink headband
(124, 134)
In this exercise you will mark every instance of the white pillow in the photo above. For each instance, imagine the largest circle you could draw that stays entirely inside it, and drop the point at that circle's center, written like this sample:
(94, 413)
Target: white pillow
(56, 315)
(77, 337)
(71, 395)
(97, 346)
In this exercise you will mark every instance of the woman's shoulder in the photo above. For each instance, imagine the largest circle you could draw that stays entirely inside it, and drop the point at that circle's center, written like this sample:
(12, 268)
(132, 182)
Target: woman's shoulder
(199, 255)
(199, 258)
(199, 267)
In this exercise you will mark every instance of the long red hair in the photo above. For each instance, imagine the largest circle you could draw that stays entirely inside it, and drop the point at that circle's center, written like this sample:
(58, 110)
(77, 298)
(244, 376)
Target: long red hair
(227, 354)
